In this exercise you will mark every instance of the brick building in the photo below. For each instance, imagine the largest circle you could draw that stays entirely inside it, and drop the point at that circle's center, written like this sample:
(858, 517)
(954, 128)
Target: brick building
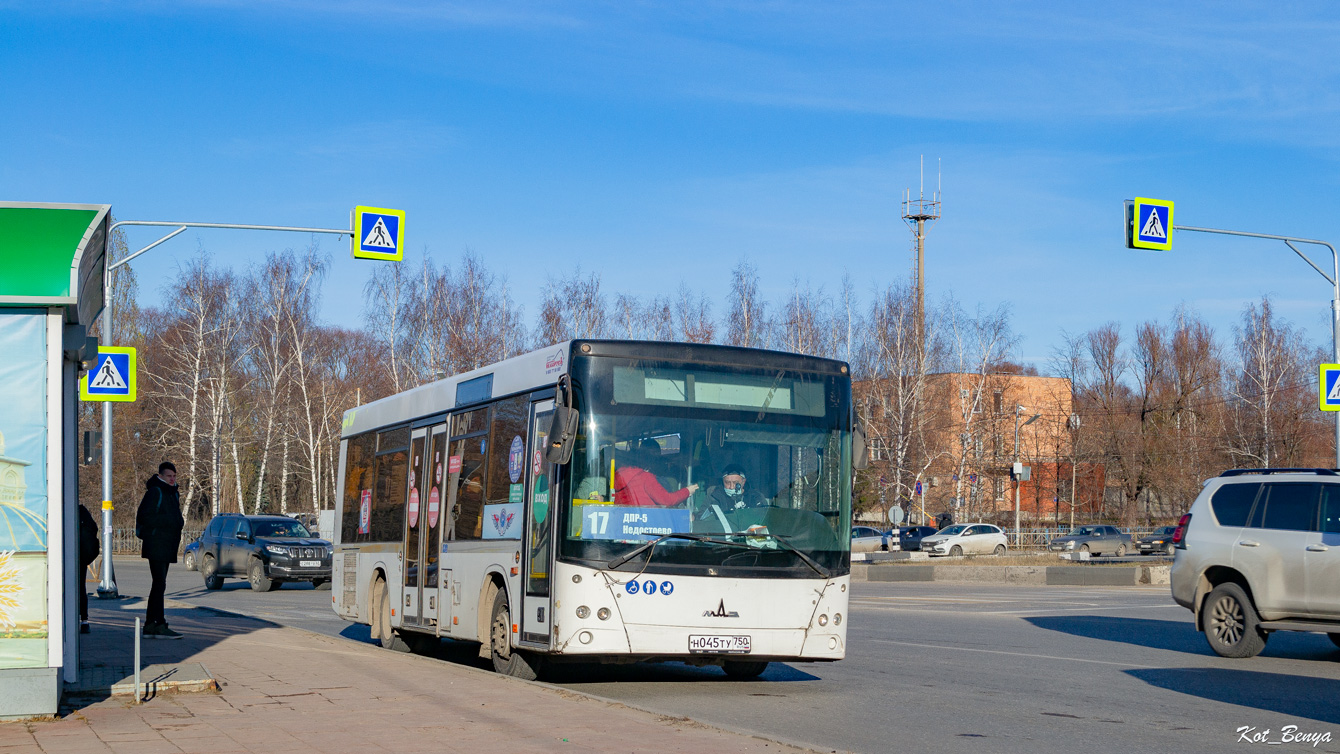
(962, 447)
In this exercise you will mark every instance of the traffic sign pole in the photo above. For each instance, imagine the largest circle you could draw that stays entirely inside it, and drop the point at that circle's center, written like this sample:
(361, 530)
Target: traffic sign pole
(107, 583)
(1333, 279)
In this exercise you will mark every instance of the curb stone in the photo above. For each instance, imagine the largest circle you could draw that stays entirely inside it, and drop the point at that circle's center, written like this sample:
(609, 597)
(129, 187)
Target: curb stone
(1075, 575)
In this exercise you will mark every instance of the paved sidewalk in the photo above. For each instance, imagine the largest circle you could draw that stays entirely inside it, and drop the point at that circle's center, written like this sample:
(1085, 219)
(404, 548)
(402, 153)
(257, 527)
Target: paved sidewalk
(285, 689)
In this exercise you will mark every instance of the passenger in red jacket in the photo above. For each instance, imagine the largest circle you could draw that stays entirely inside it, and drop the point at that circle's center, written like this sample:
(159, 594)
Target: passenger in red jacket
(635, 485)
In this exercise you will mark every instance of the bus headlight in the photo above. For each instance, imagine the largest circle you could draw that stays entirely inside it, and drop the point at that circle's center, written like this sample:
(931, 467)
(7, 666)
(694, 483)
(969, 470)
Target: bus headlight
(823, 620)
(583, 612)
(837, 619)
(603, 613)
(585, 637)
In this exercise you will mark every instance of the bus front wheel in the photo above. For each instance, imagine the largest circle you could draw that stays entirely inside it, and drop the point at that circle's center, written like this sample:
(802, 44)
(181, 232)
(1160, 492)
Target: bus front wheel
(507, 659)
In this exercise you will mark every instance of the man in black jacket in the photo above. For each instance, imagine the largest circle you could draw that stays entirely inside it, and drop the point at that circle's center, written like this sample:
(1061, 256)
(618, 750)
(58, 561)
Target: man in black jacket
(158, 523)
(89, 548)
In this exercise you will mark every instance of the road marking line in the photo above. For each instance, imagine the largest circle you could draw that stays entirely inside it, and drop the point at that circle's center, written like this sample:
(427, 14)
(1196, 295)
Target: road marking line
(1040, 608)
(1109, 607)
(929, 599)
(1013, 654)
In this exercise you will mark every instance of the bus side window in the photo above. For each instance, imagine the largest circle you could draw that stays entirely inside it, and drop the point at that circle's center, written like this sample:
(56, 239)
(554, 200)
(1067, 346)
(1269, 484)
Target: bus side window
(507, 466)
(465, 499)
(357, 478)
(388, 497)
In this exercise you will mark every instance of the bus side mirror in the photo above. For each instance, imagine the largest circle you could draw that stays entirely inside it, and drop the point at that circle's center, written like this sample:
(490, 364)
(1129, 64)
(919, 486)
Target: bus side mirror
(562, 435)
(860, 456)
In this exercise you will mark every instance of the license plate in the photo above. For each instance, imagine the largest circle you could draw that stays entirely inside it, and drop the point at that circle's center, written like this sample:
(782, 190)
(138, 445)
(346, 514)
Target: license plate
(718, 644)
(309, 563)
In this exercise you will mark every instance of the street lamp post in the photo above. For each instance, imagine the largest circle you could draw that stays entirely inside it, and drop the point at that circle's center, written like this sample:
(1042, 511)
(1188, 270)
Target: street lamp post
(1014, 471)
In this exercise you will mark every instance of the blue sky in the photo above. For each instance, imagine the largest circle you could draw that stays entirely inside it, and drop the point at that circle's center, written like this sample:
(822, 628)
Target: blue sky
(662, 142)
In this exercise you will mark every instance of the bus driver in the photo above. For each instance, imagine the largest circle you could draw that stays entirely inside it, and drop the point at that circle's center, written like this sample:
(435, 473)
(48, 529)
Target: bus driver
(732, 494)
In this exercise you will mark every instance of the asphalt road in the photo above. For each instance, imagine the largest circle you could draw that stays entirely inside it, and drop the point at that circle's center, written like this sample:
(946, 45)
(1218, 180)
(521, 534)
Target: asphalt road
(953, 668)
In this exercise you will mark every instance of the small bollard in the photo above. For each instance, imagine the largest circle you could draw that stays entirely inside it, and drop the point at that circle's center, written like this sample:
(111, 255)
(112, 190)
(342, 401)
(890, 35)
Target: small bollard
(137, 659)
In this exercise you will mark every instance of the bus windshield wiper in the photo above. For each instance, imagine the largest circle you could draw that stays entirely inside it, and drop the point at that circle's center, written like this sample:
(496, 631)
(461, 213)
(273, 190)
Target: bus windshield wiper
(695, 537)
(811, 562)
(633, 553)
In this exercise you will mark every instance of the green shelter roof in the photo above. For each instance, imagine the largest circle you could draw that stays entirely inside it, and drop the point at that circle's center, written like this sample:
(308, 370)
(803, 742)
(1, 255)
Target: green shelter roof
(54, 255)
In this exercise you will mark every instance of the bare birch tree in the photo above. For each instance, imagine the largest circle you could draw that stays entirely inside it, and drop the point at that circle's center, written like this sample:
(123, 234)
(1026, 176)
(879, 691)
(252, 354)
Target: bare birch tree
(746, 322)
(1265, 409)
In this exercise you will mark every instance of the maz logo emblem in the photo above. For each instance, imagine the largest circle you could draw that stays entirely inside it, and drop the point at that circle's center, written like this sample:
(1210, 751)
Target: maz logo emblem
(720, 612)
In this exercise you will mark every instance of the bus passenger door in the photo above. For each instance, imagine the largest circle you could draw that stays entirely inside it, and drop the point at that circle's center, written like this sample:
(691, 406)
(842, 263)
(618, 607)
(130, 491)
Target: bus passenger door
(536, 607)
(412, 601)
(434, 474)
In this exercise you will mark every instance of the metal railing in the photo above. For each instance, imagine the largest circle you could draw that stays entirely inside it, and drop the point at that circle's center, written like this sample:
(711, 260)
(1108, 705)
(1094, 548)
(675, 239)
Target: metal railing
(1037, 539)
(124, 541)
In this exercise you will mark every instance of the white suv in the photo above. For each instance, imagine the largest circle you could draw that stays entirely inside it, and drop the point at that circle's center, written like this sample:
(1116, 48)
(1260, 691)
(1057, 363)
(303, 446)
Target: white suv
(1260, 552)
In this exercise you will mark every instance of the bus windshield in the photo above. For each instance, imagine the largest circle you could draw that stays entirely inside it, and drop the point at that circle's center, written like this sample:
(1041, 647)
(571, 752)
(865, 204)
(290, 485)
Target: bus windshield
(754, 463)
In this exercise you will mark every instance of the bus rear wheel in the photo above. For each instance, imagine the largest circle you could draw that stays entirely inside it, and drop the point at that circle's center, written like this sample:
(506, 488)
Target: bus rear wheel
(744, 668)
(508, 660)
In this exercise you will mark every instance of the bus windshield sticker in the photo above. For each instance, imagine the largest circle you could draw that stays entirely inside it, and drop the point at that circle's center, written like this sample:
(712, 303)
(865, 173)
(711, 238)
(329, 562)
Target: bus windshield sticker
(515, 493)
(631, 523)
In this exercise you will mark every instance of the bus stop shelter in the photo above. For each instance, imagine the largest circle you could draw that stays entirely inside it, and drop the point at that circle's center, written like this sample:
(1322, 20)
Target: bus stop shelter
(52, 267)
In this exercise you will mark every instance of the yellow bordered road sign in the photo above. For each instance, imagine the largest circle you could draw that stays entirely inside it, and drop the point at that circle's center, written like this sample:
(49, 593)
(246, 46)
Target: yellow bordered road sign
(112, 377)
(1153, 224)
(378, 233)
(1329, 385)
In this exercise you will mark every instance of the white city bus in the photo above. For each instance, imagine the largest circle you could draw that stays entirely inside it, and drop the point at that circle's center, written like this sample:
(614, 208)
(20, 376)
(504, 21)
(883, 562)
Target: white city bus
(615, 542)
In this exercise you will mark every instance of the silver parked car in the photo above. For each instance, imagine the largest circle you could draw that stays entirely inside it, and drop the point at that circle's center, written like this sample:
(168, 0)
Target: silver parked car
(867, 539)
(1097, 540)
(1259, 552)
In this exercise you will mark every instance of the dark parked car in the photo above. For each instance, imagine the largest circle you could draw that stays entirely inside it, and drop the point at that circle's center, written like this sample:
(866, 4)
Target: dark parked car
(910, 536)
(1158, 542)
(190, 556)
(267, 551)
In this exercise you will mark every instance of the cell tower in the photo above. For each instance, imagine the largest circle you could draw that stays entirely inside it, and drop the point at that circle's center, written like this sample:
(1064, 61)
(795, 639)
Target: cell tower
(917, 213)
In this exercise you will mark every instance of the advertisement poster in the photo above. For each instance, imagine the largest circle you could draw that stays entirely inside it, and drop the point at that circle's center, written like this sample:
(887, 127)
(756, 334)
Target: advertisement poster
(502, 521)
(364, 511)
(23, 491)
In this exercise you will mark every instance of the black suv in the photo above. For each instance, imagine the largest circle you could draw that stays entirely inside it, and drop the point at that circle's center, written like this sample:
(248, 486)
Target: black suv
(265, 550)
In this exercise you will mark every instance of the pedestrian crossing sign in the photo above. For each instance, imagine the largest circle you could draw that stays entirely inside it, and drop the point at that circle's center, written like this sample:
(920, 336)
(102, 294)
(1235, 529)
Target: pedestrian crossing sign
(112, 377)
(1330, 387)
(1152, 224)
(378, 234)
